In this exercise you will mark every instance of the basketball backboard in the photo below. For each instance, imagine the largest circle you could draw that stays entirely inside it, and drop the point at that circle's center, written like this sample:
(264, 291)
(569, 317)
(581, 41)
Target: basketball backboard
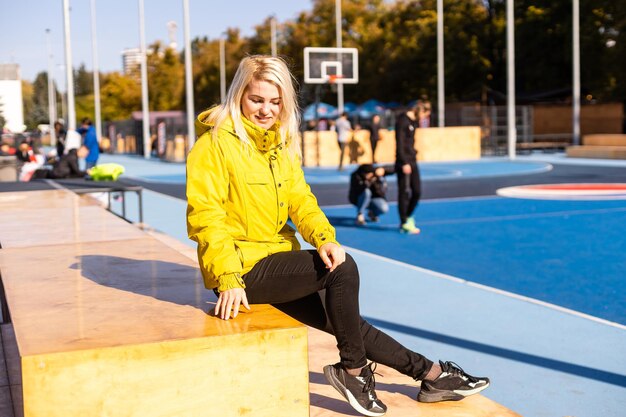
(331, 65)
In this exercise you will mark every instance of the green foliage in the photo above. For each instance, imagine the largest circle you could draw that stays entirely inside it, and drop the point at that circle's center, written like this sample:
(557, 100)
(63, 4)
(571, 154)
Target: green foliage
(120, 95)
(2, 119)
(83, 81)
(35, 98)
(166, 79)
(397, 55)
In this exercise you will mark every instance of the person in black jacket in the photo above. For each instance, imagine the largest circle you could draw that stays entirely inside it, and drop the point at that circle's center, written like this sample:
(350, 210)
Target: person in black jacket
(66, 167)
(374, 135)
(368, 189)
(409, 184)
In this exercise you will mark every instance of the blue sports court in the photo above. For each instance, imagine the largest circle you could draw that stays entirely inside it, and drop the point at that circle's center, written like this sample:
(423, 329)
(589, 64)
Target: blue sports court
(530, 292)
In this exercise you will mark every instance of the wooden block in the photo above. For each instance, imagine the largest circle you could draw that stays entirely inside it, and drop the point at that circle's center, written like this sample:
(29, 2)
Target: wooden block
(597, 151)
(123, 326)
(605, 139)
(56, 217)
(258, 373)
(457, 143)
(397, 391)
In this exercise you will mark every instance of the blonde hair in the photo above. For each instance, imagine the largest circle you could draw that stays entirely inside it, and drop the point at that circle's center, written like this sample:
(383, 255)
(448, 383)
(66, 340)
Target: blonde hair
(272, 70)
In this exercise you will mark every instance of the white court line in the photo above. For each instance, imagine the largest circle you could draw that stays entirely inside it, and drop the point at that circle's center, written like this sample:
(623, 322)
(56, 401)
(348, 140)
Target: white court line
(524, 216)
(490, 289)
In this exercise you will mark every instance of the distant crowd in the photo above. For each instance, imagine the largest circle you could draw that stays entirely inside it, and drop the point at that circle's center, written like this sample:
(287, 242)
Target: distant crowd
(61, 162)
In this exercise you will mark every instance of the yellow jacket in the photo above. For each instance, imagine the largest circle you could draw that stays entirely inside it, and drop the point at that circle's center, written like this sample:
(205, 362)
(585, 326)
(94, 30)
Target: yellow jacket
(239, 200)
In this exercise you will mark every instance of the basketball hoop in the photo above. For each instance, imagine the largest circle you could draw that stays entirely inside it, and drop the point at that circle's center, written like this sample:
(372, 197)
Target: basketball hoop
(332, 79)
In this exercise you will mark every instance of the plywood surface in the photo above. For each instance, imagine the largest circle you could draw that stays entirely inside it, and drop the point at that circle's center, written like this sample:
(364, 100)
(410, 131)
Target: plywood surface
(36, 218)
(105, 294)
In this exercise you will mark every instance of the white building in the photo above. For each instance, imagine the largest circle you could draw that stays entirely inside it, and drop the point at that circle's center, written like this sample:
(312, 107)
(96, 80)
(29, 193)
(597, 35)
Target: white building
(11, 104)
(131, 61)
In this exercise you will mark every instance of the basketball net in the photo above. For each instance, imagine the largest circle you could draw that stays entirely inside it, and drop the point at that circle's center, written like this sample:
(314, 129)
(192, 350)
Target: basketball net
(332, 80)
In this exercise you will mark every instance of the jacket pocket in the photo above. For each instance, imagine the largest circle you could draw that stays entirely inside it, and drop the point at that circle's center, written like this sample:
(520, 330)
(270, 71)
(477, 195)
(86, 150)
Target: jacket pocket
(256, 178)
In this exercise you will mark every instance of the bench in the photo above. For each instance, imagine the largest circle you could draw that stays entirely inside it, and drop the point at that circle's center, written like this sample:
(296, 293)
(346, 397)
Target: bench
(602, 146)
(541, 146)
(109, 320)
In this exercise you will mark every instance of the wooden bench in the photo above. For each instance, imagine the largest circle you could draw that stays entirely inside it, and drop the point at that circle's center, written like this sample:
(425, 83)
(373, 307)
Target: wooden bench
(109, 320)
(541, 146)
(601, 146)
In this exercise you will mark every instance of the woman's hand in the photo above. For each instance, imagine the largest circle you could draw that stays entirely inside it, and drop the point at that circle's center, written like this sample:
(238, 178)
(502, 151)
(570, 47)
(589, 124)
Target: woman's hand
(332, 254)
(406, 169)
(231, 300)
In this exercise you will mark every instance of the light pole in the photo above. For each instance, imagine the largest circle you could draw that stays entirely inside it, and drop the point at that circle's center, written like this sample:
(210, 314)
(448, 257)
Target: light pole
(510, 64)
(96, 71)
(441, 100)
(576, 72)
(63, 91)
(144, 85)
(52, 99)
(222, 70)
(191, 134)
(273, 35)
(69, 73)
(339, 45)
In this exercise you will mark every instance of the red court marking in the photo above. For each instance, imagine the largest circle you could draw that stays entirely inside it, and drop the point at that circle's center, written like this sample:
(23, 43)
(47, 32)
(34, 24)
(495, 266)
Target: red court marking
(599, 191)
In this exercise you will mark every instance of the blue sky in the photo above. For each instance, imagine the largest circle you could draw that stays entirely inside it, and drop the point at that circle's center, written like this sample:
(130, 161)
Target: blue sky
(23, 26)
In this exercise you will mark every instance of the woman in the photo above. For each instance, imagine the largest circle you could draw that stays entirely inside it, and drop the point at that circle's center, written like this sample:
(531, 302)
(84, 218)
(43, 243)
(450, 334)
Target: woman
(244, 181)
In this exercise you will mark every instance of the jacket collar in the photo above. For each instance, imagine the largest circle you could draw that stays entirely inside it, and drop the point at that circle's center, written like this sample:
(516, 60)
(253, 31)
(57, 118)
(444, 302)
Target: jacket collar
(262, 138)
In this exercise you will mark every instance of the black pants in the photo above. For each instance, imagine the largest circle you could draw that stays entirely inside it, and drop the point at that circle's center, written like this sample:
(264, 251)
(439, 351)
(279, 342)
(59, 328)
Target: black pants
(342, 151)
(409, 191)
(299, 284)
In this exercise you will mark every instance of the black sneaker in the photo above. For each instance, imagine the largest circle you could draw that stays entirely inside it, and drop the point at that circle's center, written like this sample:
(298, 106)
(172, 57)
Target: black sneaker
(358, 390)
(373, 218)
(452, 385)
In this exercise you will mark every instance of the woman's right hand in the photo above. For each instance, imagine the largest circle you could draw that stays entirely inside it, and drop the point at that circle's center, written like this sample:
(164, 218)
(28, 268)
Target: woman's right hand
(406, 169)
(231, 300)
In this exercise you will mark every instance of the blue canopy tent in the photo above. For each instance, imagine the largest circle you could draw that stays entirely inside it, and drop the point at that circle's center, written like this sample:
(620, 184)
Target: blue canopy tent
(324, 111)
(350, 108)
(393, 105)
(370, 108)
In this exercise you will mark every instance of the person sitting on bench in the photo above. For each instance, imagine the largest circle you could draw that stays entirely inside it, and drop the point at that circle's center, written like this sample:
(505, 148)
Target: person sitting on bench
(67, 166)
(244, 180)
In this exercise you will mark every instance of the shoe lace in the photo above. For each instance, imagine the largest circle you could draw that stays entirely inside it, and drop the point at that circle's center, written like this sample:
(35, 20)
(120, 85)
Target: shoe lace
(453, 368)
(370, 382)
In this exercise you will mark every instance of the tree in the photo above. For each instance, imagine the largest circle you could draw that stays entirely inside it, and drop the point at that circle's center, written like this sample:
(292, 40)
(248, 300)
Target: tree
(3, 121)
(206, 66)
(166, 78)
(35, 98)
(121, 95)
(83, 81)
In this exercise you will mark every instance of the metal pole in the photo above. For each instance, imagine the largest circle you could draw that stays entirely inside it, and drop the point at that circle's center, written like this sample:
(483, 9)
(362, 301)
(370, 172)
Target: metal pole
(576, 72)
(96, 72)
(144, 85)
(63, 98)
(339, 45)
(273, 35)
(222, 70)
(69, 73)
(52, 99)
(510, 63)
(191, 133)
(441, 99)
